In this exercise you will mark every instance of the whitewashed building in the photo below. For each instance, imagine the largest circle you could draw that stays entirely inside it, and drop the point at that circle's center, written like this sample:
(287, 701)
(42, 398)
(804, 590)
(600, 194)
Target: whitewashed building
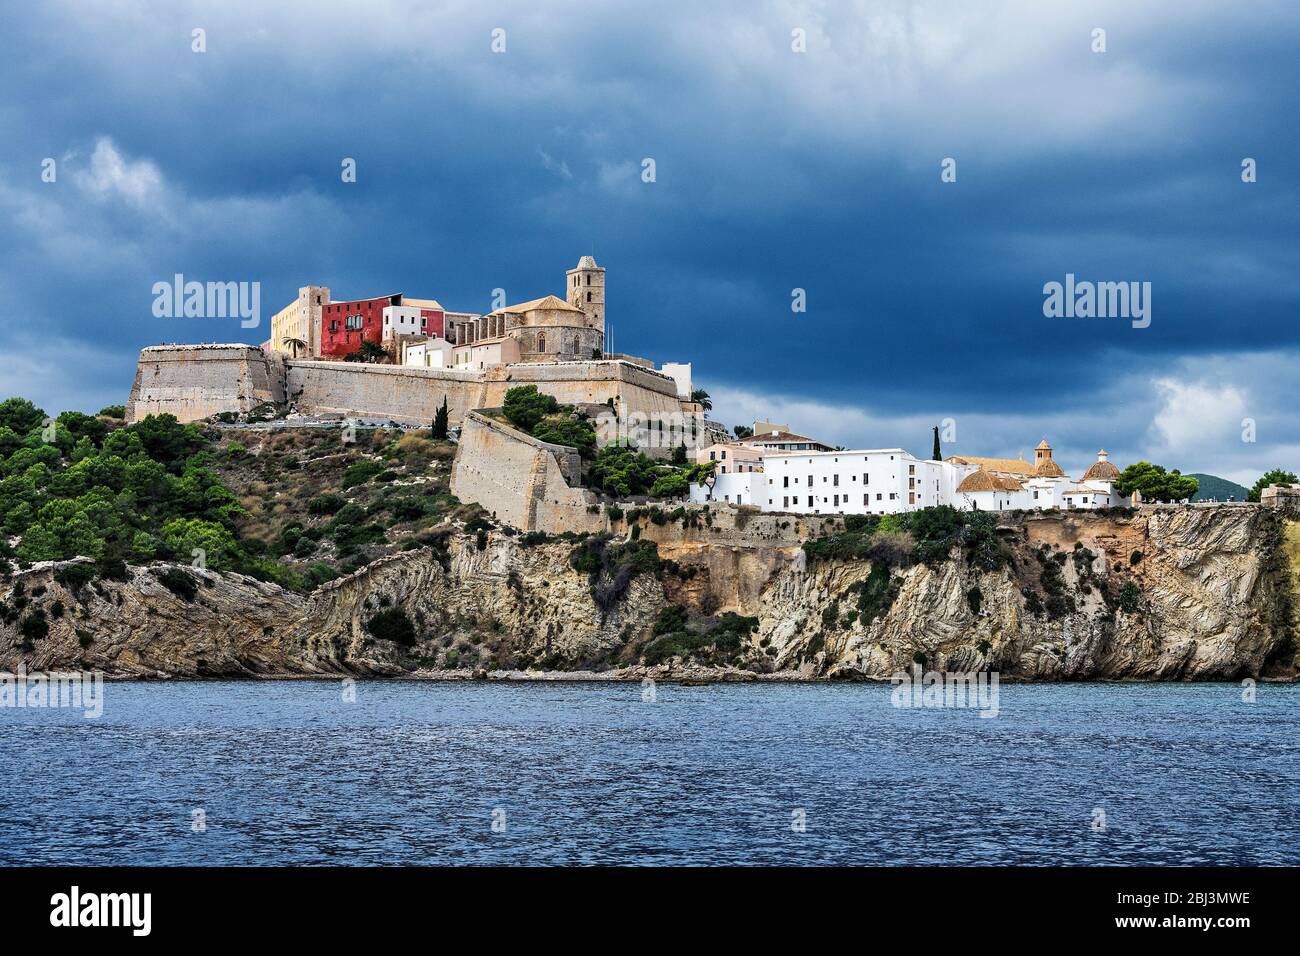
(891, 480)
(737, 488)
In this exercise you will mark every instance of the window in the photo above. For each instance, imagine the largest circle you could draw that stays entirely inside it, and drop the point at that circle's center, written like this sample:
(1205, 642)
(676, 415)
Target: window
(810, 481)
(911, 469)
(877, 496)
(911, 498)
(866, 478)
(810, 501)
(865, 498)
(724, 454)
(785, 501)
(786, 482)
(836, 482)
(837, 500)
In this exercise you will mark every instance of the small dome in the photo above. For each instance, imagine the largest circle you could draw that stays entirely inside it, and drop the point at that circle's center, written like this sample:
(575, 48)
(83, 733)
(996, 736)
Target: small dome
(979, 480)
(1048, 468)
(1101, 469)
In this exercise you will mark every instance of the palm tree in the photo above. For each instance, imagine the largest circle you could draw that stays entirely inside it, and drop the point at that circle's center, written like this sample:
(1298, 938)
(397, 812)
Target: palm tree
(294, 344)
(701, 397)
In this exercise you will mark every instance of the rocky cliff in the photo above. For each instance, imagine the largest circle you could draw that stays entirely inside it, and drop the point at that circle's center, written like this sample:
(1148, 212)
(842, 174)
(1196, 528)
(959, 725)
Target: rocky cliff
(1164, 594)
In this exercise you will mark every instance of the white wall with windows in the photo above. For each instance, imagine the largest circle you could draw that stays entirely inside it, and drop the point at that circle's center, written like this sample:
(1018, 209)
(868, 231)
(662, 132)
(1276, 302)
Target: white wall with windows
(869, 481)
(737, 488)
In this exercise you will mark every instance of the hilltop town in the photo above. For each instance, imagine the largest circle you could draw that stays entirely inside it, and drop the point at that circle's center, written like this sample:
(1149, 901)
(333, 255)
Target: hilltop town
(400, 358)
(386, 486)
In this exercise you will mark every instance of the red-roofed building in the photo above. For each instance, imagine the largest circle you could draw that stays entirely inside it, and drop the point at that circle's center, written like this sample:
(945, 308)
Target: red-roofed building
(345, 325)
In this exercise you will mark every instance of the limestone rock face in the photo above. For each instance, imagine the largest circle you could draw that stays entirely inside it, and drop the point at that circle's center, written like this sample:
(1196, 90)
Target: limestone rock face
(1166, 594)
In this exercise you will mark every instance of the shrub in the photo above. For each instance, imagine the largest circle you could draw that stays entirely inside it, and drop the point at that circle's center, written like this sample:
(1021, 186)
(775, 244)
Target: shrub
(34, 627)
(1135, 557)
(671, 618)
(179, 582)
(56, 609)
(1129, 596)
(360, 472)
(525, 406)
(392, 624)
(75, 576)
(325, 504)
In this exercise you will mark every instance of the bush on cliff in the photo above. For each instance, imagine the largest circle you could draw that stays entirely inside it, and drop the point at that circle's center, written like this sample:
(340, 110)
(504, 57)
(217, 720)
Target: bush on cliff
(525, 406)
(392, 624)
(562, 430)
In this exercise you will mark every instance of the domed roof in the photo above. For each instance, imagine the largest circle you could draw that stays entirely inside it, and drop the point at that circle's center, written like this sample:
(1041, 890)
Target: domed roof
(1048, 468)
(1101, 469)
(981, 480)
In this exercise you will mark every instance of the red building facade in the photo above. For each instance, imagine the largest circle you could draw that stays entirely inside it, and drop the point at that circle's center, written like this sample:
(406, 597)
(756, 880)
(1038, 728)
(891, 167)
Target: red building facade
(345, 325)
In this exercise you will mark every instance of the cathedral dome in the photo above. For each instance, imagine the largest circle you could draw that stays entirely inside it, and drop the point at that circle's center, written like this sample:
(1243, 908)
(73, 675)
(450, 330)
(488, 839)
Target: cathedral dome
(1048, 468)
(1101, 469)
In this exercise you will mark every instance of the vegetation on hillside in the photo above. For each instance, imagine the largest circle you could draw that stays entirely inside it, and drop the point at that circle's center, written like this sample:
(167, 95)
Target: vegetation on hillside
(1154, 483)
(1275, 476)
(295, 506)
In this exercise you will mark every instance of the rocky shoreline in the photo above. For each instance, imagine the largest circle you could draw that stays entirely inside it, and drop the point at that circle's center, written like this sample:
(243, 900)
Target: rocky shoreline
(1161, 595)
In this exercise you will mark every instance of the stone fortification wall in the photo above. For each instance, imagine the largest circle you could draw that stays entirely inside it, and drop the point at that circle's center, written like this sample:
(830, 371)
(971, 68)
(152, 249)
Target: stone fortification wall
(524, 482)
(196, 381)
(400, 393)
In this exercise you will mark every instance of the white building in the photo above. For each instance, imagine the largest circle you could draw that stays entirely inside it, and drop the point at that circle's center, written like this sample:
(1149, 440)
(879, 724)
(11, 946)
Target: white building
(679, 372)
(890, 480)
(737, 488)
(730, 457)
(864, 481)
(406, 320)
(431, 353)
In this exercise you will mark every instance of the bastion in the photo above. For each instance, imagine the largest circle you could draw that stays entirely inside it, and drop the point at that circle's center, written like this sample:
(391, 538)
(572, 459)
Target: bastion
(194, 382)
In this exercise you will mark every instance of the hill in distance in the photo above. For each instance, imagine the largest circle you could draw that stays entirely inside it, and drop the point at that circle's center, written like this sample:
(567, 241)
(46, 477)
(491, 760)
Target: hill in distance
(1218, 489)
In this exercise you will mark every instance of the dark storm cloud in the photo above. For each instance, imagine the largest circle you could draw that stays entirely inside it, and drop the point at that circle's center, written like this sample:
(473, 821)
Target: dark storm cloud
(775, 171)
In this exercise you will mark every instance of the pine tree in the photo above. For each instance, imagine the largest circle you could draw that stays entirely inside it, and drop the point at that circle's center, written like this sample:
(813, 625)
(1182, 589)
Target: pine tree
(937, 456)
(440, 422)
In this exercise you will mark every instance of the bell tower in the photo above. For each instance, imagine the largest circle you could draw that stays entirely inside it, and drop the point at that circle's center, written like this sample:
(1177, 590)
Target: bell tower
(585, 289)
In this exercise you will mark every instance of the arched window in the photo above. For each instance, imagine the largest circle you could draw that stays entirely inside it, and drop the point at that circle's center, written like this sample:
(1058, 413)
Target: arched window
(541, 341)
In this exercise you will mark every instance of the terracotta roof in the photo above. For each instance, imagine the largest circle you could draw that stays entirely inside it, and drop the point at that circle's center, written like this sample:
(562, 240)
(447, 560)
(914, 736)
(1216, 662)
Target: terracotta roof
(1015, 466)
(982, 481)
(549, 302)
(1101, 470)
(422, 303)
(780, 437)
(1043, 445)
(1047, 468)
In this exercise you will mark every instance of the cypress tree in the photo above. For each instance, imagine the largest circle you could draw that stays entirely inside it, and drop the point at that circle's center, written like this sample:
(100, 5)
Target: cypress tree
(937, 456)
(440, 422)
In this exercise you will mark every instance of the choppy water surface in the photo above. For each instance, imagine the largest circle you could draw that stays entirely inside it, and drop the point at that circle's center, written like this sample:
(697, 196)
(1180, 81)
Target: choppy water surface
(412, 772)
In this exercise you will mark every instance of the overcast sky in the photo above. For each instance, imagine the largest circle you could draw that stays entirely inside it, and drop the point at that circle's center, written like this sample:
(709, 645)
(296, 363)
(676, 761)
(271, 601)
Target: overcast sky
(774, 170)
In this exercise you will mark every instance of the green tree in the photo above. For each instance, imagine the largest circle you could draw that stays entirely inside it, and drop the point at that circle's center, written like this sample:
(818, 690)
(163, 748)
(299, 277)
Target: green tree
(672, 484)
(20, 415)
(1274, 477)
(561, 430)
(619, 470)
(679, 456)
(525, 406)
(743, 431)
(439, 431)
(183, 536)
(1154, 483)
(701, 397)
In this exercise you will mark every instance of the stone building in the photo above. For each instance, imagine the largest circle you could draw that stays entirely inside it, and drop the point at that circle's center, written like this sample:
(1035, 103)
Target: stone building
(299, 322)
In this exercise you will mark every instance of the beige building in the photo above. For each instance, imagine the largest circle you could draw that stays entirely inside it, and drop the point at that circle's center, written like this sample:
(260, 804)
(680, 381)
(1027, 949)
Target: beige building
(731, 458)
(485, 353)
(300, 321)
